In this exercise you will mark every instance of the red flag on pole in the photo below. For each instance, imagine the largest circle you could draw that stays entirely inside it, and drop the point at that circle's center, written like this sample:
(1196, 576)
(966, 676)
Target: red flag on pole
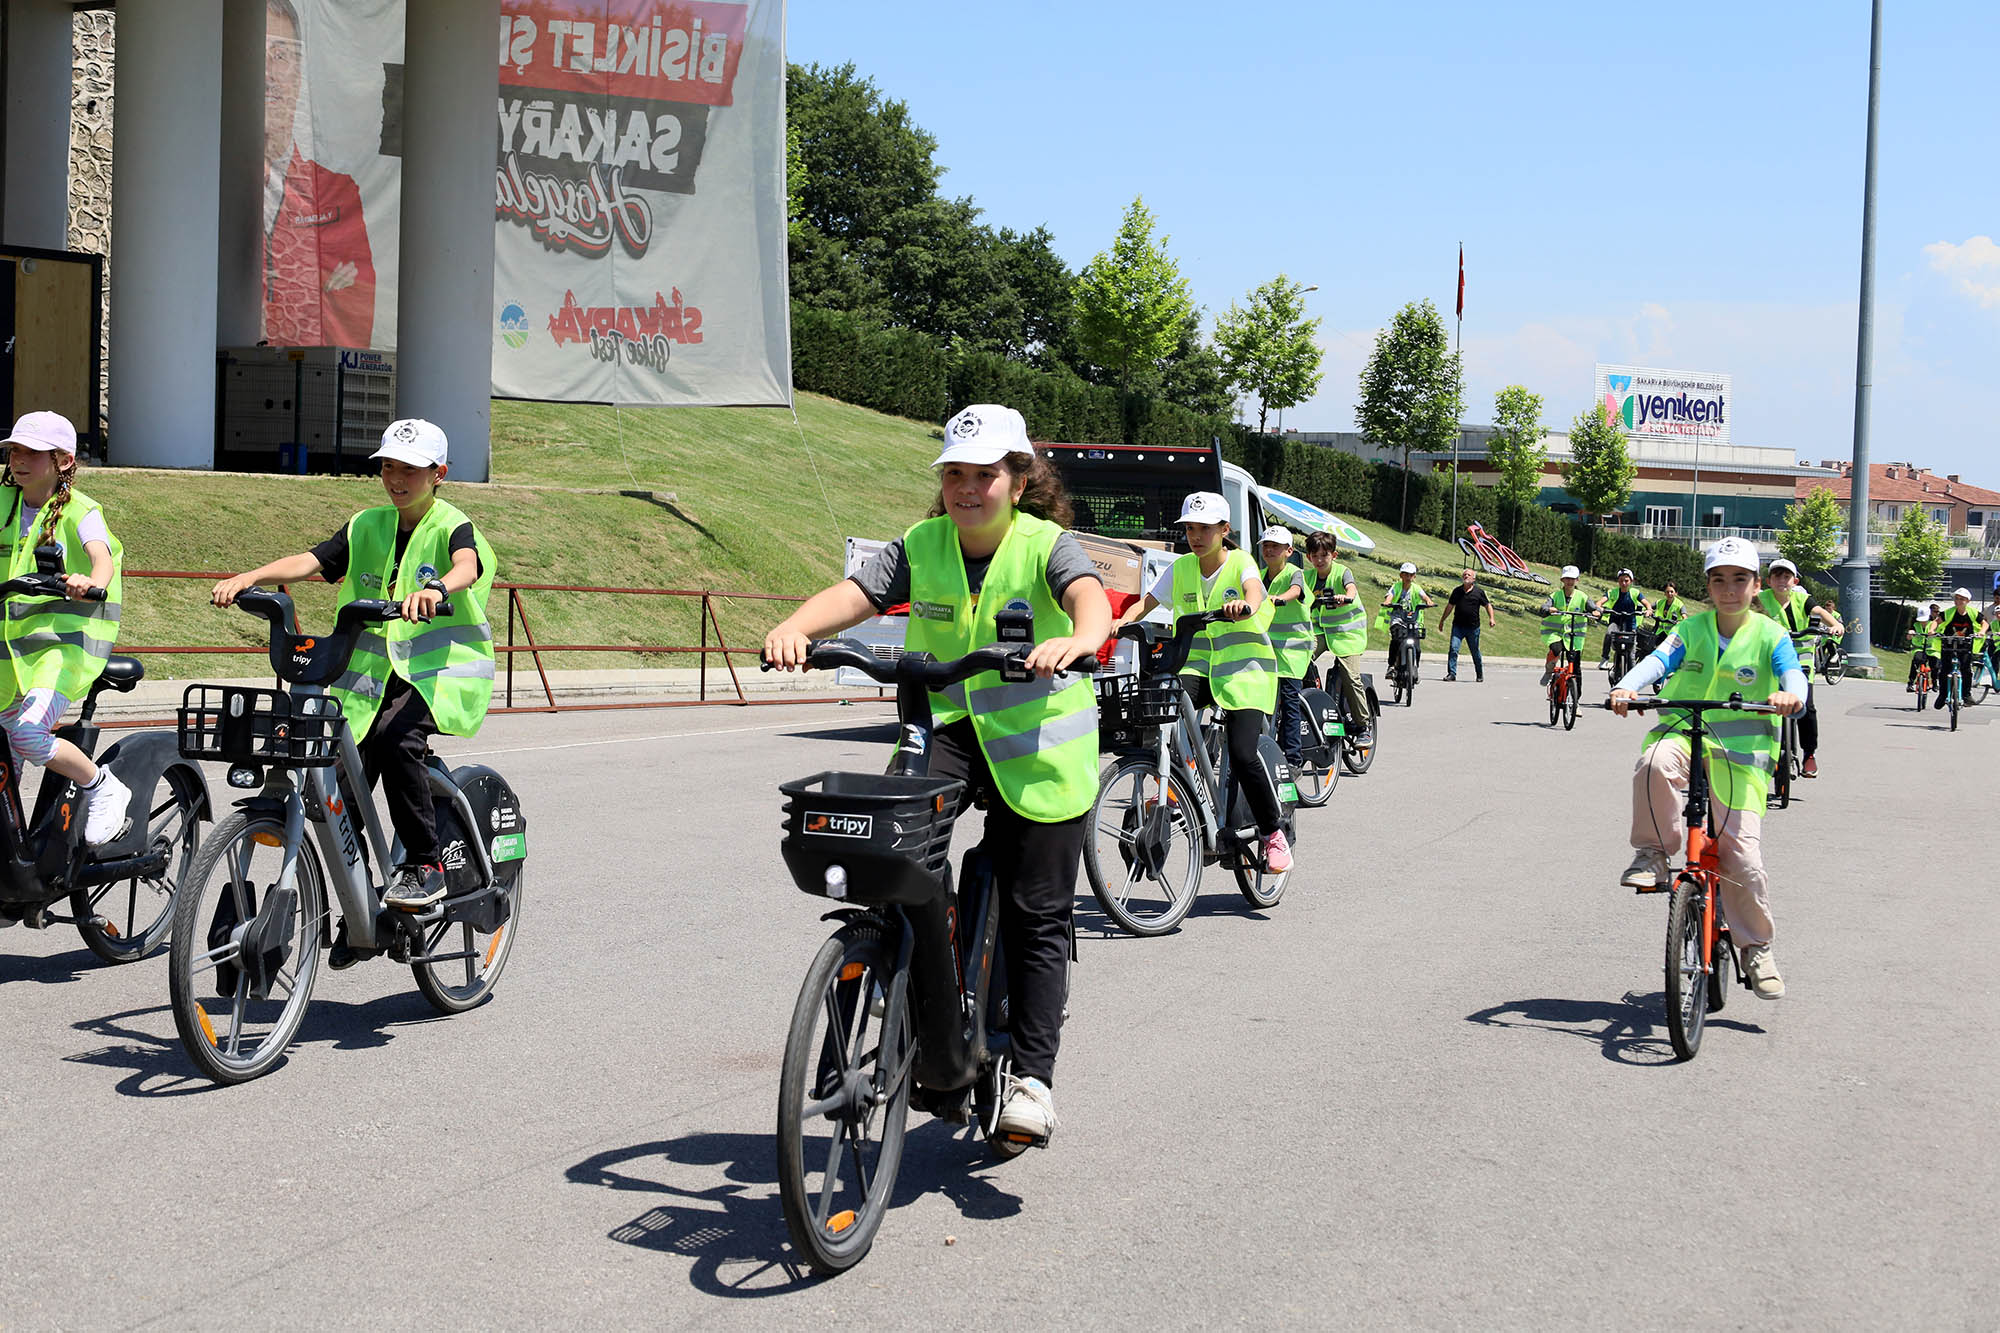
(1461, 279)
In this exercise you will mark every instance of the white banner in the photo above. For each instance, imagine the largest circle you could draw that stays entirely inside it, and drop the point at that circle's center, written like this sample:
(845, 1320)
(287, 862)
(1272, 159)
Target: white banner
(640, 201)
(639, 194)
(1687, 405)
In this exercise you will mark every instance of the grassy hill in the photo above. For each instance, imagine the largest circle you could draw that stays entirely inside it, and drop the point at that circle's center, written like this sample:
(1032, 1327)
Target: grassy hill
(729, 499)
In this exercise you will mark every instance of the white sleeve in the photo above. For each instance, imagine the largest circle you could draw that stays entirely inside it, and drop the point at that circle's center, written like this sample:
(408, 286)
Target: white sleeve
(91, 528)
(1162, 590)
(1252, 581)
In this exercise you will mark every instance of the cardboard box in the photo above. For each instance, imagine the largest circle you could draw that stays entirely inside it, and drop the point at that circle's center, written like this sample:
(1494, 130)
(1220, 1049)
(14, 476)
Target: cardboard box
(1120, 564)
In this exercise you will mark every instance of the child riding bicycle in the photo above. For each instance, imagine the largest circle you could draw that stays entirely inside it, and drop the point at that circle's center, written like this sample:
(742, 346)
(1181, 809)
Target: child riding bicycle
(1712, 655)
(1403, 595)
(996, 535)
(1341, 624)
(1560, 630)
(1291, 632)
(1787, 602)
(1957, 635)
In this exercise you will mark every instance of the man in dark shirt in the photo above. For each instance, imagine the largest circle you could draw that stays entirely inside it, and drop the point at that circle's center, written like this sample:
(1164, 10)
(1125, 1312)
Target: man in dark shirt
(1463, 607)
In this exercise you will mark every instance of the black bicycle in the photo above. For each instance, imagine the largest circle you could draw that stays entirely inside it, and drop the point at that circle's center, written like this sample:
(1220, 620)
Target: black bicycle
(1406, 633)
(1357, 742)
(907, 999)
(1621, 651)
(120, 895)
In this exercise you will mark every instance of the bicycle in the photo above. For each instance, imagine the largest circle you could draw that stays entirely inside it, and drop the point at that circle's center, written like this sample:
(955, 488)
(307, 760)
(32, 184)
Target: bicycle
(1357, 743)
(1406, 634)
(1984, 677)
(1621, 651)
(1949, 646)
(43, 857)
(1158, 818)
(257, 914)
(1922, 679)
(1830, 659)
(1699, 950)
(1566, 682)
(908, 996)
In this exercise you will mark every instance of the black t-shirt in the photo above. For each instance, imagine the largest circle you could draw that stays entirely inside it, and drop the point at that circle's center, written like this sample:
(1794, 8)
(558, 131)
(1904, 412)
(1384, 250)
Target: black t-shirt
(332, 553)
(1624, 609)
(1956, 622)
(1465, 604)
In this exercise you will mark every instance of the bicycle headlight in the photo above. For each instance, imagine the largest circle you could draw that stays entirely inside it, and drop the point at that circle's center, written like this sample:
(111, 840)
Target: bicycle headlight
(246, 775)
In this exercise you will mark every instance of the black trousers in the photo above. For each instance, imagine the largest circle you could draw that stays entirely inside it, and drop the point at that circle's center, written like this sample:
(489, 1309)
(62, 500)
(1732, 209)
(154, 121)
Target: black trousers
(1035, 867)
(1809, 726)
(394, 751)
(1242, 727)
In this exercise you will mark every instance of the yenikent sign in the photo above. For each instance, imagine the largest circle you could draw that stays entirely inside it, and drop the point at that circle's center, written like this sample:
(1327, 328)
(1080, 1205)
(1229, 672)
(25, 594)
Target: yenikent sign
(1683, 405)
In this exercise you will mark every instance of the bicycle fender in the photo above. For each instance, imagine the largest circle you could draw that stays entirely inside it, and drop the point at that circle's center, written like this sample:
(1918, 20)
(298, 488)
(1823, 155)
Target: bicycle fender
(849, 915)
(142, 761)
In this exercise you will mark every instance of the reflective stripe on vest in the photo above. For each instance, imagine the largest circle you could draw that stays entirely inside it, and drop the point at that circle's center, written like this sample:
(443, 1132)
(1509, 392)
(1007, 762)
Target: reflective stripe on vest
(449, 660)
(1291, 624)
(1556, 627)
(1039, 736)
(53, 643)
(1742, 747)
(1238, 662)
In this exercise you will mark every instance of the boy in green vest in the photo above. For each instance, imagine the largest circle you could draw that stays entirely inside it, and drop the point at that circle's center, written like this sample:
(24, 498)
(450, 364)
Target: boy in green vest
(1405, 594)
(419, 675)
(1341, 623)
(1713, 655)
(1787, 602)
(1291, 633)
(1965, 628)
(1559, 632)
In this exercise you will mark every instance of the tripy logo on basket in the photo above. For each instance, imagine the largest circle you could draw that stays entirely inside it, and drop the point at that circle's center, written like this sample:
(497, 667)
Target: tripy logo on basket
(840, 826)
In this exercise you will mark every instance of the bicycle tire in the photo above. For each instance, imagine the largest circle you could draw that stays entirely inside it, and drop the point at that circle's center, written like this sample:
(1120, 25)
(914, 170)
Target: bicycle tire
(1315, 783)
(1571, 699)
(838, 986)
(1980, 688)
(1722, 965)
(223, 1060)
(1181, 847)
(1558, 687)
(1923, 688)
(1686, 982)
(1954, 707)
(486, 957)
(180, 837)
(1781, 778)
(1415, 664)
(1356, 757)
(1834, 667)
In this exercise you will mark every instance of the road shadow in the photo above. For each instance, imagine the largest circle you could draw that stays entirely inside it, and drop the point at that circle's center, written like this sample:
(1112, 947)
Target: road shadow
(1543, 726)
(734, 1232)
(877, 733)
(649, 498)
(51, 969)
(1629, 1031)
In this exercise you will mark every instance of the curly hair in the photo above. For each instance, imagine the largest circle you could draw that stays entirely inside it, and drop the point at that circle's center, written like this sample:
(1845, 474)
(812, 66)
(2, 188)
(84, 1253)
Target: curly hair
(1043, 495)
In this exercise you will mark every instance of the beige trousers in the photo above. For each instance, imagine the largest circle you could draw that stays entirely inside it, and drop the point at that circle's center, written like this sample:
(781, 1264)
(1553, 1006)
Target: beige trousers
(1659, 787)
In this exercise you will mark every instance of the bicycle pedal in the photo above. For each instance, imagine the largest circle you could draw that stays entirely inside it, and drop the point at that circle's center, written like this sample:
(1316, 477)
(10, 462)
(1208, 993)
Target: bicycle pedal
(1019, 1140)
(1657, 888)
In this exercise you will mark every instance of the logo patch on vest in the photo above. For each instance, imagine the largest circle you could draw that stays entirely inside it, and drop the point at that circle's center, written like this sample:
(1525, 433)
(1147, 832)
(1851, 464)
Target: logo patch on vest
(1745, 674)
(930, 610)
(370, 580)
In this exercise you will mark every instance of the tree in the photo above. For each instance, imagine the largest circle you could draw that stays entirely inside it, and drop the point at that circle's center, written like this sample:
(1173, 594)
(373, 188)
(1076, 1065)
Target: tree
(1411, 393)
(1194, 375)
(1812, 527)
(1131, 300)
(1516, 451)
(1913, 559)
(1269, 348)
(1600, 471)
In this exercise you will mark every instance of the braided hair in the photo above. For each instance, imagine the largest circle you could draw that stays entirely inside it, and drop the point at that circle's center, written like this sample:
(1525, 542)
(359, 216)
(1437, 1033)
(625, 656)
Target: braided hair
(52, 510)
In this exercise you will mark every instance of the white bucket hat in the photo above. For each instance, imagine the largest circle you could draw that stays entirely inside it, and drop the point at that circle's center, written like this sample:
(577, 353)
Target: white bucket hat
(984, 433)
(1730, 552)
(413, 441)
(1204, 507)
(1569, 572)
(1277, 532)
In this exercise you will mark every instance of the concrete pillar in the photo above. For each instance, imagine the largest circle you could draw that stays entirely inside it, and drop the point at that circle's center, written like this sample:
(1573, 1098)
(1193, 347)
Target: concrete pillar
(164, 188)
(444, 305)
(239, 294)
(38, 79)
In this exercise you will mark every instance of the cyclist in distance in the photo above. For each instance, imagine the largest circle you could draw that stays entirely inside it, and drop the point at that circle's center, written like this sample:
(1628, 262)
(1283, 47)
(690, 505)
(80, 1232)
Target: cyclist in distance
(1231, 666)
(1712, 655)
(1961, 620)
(1342, 627)
(996, 535)
(1787, 602)
(1669, 611)
(1404, 595)
(1923, 645)
(1622, 610)
(1560, 634)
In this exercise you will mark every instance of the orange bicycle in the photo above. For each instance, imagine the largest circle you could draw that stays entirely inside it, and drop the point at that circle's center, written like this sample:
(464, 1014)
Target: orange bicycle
(1923, 677)
(1699, 953)
(1566, 684)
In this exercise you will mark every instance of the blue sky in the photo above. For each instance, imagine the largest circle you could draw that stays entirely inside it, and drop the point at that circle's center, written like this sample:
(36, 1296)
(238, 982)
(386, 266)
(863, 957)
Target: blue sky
(1677, 187)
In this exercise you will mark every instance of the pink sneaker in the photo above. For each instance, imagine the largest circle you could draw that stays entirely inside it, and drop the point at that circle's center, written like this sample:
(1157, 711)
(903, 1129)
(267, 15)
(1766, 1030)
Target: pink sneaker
(1277, 853)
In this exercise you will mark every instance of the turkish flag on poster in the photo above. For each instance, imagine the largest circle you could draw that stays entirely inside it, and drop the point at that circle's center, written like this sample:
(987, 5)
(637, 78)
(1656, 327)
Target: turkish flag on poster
(1461, 280)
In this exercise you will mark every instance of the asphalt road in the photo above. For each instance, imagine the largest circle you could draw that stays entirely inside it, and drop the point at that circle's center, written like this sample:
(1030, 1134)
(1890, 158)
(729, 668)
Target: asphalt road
(1431, 1087)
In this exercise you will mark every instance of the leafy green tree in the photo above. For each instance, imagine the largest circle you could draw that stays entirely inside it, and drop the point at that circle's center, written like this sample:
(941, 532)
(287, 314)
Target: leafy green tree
(1269, 346)
(1600, 471)
(1812, 529)
(1913, 559)
(1194, 375)
(1516, 451)
(1131, 300)
(1411, 390)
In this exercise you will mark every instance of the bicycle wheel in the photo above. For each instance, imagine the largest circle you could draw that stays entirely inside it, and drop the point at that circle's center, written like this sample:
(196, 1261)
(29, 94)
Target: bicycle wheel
(125, 920)
(1355, 757)
(1953, 700)
(1788, 763)
(1687, 982)
(456, 984)
(1410, 678)
(1980, 688)
(1719, 977)
(1833, 665)
(1923, 688)
(243, 943)
(1557, 689)
(1141, 855)
(844, 1099)
(1259, 887)
(1316, 781)
(1571, 698)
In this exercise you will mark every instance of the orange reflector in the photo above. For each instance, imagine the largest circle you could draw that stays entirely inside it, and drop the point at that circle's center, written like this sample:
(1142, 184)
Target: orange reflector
(207, 1028)
(1019, 1138)
(493, 946)
(853, 971)
(267, 840)
(840, 1221)
(111, 930)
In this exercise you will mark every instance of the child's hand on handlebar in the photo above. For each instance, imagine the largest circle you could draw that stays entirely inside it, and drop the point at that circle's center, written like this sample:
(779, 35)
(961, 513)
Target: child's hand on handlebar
(224, 593)
(1620, 698)
(1235, 610)
(1052, 655)
(1788, 704)
(76, 587)
(422, 604)
(785, 649)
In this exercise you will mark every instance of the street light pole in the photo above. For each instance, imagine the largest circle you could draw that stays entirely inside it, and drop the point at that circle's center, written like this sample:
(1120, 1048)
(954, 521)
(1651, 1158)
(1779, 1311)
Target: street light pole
(1854, 572)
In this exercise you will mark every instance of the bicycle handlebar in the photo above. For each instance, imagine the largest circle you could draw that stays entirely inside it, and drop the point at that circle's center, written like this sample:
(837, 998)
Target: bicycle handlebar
(46, 585)
(1733, 704)
(317, 659)
(921, 668)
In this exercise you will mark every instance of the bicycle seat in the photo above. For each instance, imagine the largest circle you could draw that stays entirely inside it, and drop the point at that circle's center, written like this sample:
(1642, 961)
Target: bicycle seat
(121, 674)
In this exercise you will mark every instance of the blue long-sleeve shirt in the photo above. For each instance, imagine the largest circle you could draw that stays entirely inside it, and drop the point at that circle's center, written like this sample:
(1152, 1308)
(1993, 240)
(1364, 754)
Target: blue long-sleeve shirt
(1664, 660)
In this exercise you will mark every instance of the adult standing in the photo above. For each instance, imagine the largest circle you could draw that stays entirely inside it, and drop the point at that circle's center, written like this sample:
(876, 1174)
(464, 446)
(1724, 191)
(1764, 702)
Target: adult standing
(1463, 608)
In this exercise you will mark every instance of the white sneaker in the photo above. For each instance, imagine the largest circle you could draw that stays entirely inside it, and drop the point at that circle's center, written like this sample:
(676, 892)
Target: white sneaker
(1030, 1111)
(1762, 969)
(105, 819)
(1647, 871)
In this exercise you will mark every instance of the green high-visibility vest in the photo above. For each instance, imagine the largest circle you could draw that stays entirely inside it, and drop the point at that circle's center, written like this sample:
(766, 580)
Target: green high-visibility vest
(1742, 748)
(1556, 628)
(1235, 659)
(1978, 633)
(55, 644)
(1039, 736)
(1345, 628)
(447, 660)
(1399, 599)
(1291, 623)
(1669, 613)
(1792, 613)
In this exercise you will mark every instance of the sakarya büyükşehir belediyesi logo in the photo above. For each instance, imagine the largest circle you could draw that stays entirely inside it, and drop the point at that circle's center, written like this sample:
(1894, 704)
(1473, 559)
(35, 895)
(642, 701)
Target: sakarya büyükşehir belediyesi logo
(514, 325)
(1687, 408)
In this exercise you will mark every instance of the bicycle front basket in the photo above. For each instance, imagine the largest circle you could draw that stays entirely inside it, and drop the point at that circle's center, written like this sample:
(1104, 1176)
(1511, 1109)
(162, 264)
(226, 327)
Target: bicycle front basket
(235, 724)
(889, 836)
